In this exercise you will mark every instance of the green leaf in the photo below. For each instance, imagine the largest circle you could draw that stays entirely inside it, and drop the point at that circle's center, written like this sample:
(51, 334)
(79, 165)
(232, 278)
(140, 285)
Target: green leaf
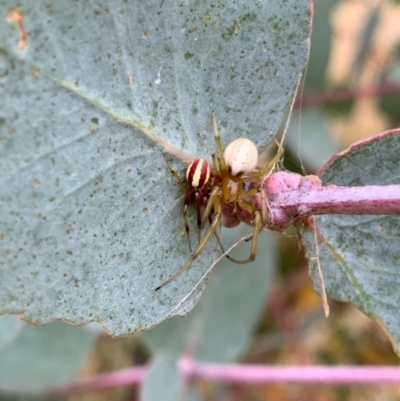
(389, 104)
(310, 139)
(221, 324)
(91, 218)
(359, 255)
(43, 357)
(365, 42)
(163, 381)
(10, 328)
(321, 38)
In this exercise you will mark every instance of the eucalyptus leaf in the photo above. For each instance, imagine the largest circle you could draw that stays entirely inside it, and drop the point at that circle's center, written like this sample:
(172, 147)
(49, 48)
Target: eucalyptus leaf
(220, 326)
(163, 381)
(365, 42)
(10, 328)
(321, 40)
(43, 357)
(359, 255)
(90, 216)
(310, 139)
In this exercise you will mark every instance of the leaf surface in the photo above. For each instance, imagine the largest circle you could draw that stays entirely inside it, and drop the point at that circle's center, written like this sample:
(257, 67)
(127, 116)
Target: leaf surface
(310, 139)
(90, 216)
(43, 357)
(359, 255)
(221, 325)
(10, 328)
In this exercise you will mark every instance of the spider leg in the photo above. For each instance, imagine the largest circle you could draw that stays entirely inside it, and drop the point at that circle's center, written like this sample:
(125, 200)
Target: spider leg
(263, 206)
(218, 142)
(250, 193)
(207, 212)
(186, 221)
(199, 219)
(180, 181)
(210, 220)
(216, 166)
(197, 252)
(270, 166)
(210, 203)
(257, 228)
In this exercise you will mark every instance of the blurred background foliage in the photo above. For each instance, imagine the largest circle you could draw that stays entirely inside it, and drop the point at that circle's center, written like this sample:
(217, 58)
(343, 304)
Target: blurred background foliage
(351, 90)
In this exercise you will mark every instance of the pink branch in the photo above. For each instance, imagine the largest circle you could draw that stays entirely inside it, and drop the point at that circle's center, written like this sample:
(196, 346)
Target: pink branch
(246, 374)
(290, 196)
(312, 99)
(252, 374)
(122, 377)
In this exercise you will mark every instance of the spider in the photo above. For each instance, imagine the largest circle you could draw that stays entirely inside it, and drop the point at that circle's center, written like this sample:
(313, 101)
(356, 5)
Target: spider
(225, 185)
(197, 185)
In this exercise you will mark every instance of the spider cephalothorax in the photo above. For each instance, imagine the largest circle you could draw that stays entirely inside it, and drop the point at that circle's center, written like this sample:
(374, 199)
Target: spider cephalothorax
(225, 186)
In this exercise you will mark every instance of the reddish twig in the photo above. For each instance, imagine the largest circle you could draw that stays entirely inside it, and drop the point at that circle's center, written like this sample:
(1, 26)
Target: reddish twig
(124, 377)
(253, 374)
(310, 198)
(290, 196)
(245, 374)
(339, 95)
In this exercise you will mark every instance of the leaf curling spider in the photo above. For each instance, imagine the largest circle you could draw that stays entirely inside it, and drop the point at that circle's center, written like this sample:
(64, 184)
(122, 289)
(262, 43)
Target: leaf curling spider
(225, 185)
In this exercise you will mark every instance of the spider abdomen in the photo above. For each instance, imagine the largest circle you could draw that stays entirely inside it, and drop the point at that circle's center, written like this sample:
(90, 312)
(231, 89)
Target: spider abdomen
(198, 173)
(241, 156)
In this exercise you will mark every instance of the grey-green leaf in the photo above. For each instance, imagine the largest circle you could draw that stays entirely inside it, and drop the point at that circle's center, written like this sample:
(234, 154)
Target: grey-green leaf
(10, 328)
(90, 216)
(43, 357)
(310, 138)
(163, 381)
(220, 327)
(359, 255)
(321, 39)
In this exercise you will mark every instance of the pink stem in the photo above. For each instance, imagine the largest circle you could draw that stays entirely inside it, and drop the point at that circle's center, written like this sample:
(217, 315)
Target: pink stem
(250, 374)
(312, 99)
(122, 377)
(246, 374)
(290, 195)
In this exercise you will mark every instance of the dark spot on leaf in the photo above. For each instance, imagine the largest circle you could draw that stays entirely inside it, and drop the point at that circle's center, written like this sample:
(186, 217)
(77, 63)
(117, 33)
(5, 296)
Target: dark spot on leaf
(249, 17)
